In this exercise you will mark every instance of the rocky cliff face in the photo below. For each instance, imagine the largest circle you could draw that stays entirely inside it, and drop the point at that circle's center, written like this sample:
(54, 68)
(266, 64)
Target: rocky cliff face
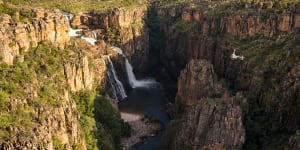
(47, 113)
(197, 80)
(267, 40)
(57, 128)
(37, 107)
(204, 123)
(18, 37)
(123, 27)
(79, 76)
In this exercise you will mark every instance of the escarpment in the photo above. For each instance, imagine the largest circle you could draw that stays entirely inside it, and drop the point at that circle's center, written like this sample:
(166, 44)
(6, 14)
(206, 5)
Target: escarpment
(267, 45)
(231, 71)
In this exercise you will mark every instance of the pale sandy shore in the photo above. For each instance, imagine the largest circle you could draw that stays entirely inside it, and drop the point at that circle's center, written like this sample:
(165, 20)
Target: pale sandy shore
(129, 117)
(141, 127)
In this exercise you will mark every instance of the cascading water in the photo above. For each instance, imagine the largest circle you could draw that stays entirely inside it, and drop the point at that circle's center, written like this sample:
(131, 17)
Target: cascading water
(131, 77)
(72, 32)
(89, 39)
(77, 32)
(118, 88)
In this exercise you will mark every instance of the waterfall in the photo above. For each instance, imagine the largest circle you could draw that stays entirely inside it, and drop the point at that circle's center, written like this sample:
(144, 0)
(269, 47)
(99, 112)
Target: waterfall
(118, 88)
(130, 75)
(74, 32)
(68, 15)
(89, 40)
(92, 40)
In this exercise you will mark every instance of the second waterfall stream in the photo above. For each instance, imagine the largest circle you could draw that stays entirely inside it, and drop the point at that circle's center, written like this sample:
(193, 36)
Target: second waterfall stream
(130, 75)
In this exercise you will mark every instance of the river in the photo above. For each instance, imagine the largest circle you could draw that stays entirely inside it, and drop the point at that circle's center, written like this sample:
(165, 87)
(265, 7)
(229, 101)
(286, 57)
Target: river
(150, 101)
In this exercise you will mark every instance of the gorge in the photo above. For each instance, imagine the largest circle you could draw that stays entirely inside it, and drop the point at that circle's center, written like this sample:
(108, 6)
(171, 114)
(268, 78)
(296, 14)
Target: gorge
(214, 74)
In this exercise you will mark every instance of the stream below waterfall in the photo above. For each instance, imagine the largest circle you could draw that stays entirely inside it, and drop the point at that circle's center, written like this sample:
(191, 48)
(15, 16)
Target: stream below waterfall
(146, 98)
(149, 101)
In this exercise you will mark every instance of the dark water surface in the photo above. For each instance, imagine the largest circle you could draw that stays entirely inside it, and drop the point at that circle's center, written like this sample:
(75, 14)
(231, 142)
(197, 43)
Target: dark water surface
(150, 101)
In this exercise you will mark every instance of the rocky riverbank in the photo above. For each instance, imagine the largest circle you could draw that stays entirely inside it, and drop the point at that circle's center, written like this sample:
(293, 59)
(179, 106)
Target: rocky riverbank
(142, 127)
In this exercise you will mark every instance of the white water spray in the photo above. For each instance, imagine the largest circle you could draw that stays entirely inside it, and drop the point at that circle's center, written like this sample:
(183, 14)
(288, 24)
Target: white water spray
(131, 77)
(92, 41)
(75, 32)
(78, 32)
(72, 32)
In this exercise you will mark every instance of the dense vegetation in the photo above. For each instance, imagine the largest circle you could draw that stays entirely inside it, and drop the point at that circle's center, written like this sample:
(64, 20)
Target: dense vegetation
(101, 125)
(271, 59)
(42, 72)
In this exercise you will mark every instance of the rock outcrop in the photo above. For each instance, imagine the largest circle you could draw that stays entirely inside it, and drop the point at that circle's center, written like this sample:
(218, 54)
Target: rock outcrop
(79, 76)
(18, 37)
(211, 124)
(204, 123)
(197, 80)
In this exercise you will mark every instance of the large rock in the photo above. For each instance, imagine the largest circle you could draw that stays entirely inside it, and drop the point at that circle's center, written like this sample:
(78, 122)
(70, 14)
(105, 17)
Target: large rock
(197, 80)
(205, 123)
(211, 124)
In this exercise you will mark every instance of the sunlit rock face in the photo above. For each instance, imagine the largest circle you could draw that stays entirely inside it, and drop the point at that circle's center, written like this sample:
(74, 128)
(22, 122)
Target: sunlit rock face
(17, 37)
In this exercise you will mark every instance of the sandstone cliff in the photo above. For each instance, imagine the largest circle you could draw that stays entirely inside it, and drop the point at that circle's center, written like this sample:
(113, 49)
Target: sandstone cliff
(202, 122)
(17, 37)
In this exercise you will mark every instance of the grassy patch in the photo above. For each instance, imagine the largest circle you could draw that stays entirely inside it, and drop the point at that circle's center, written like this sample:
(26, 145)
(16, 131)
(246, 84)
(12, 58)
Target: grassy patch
(78, 5)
